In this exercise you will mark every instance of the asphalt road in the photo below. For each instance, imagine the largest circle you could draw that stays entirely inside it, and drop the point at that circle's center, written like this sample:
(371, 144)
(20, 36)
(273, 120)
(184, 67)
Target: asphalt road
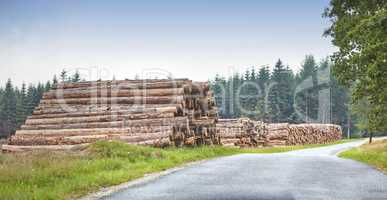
(310, 174)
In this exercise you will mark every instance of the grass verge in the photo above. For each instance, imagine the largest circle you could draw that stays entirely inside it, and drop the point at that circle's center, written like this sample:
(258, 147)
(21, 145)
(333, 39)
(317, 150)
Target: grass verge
(374, 154)
(56, 175)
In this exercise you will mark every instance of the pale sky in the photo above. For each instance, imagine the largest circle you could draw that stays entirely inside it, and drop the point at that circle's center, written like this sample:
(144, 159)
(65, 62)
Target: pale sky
(190, 39)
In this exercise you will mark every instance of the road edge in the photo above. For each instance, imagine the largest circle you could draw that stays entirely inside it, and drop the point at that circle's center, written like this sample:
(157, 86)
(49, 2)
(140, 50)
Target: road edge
(104, 192)
(346, 149)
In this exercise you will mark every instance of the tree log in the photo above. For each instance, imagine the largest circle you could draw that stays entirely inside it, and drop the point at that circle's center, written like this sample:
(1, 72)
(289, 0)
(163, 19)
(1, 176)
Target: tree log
(115, 124)
(98, 131)
(92, 110)
(104, 118)
(138, 100)
(126, 84)
(108, 92)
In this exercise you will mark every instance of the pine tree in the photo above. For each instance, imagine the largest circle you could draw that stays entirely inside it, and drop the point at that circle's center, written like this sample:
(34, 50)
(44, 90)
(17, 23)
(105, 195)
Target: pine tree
(63, 76)
(21, 106)
(280, 105)
(76, 77)
(54, 80)
(247, 75)
(249, 92)
(47, 87)
(253, 75)
(307, 98)
(30, 99)
(39, 93)
(8, 109)
(263, 80)
(308, 68)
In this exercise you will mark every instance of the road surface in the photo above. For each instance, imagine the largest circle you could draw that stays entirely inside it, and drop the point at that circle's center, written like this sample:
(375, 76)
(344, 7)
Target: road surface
(310, 174)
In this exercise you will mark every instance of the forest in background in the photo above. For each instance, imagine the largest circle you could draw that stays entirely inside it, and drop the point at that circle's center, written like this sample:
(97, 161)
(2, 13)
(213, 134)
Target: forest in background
(18, 103)
(312, 95)
(262, 94)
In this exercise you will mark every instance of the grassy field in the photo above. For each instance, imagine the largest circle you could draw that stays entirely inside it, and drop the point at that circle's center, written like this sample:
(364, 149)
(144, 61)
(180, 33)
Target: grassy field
(55, 175)
(374, 154)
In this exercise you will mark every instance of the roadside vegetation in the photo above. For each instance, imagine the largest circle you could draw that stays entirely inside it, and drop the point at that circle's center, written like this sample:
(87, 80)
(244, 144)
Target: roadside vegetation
(59, 175)
(374, 154)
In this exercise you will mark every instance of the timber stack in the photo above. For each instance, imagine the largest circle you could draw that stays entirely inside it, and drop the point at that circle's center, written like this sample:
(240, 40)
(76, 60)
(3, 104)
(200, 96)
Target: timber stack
(241, 132)
(157, 112)
(244, 132)
(313, 133)
(281, 134)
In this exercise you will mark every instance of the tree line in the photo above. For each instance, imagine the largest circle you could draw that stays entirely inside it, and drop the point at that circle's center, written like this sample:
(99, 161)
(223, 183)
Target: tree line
(280, 95)
(18, 103)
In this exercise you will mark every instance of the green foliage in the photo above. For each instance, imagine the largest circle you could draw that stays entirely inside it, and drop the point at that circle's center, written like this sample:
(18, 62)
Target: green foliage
(281, 94)
(374, 154)
(16, 104)
(63, 76)
(8, 109)
(76, 77)
(360, 109)
(54, 80)
(307, 100)
(20, 108)
(359, 29)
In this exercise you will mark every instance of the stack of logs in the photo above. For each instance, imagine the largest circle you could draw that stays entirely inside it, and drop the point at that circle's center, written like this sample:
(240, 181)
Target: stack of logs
(313, 133)
(157, 112)
(281, 134)
(244, 132)
(275, 134)
(241, 132)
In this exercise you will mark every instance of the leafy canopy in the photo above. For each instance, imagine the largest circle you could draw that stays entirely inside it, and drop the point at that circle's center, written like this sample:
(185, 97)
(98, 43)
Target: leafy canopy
(359, 29)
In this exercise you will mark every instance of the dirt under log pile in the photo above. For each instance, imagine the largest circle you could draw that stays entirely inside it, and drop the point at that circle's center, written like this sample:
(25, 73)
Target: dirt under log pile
(150, 112)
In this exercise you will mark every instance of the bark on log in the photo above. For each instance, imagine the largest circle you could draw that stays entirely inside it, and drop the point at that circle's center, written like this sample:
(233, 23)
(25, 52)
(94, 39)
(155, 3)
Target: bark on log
(104, 118)
(139, 100)
(78, 110)
(108, 92)
(99, 131)
(115, 124)
(125, 84)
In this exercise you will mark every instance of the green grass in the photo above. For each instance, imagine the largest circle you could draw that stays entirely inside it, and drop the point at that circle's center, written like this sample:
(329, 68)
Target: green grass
(374, 154)
(55, 175)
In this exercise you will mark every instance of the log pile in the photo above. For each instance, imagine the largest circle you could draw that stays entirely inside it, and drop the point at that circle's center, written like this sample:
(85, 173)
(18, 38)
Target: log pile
(313, 133)
(281, 134)
(158, 112)
(244, 132)
(241, 132)
(275, 134)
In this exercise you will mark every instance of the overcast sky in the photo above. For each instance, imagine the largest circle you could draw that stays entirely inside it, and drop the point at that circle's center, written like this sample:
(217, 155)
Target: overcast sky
(194, 39)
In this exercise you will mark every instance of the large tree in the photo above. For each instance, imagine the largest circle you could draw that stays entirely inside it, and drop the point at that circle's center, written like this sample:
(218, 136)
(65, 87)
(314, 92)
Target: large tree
(280, 94)
(21, 106)
(307, 98)
(359, 29)
(263, 82)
